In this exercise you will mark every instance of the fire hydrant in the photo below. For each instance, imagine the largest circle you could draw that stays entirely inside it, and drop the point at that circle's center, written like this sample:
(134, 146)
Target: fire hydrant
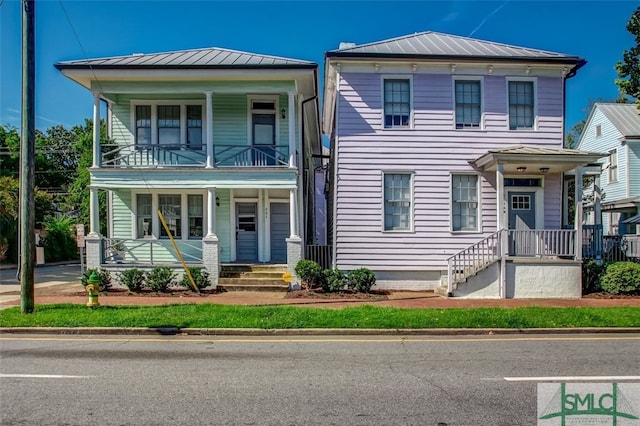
(93, 288)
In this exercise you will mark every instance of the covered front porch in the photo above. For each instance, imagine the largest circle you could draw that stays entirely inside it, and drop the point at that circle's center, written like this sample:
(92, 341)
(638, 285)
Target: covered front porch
(530, 249)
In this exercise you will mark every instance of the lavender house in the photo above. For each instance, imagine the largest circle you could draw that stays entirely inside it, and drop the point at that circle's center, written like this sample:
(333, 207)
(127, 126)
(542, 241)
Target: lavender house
(447, 166)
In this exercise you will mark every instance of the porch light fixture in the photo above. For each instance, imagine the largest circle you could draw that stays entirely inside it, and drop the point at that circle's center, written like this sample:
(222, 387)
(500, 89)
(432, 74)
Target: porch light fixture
(218, 201)
(521, 169)
(544, 170)
(283, 113)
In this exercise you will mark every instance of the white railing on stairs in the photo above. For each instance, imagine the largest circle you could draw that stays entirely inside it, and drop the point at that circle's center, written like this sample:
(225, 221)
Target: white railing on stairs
(473, 259)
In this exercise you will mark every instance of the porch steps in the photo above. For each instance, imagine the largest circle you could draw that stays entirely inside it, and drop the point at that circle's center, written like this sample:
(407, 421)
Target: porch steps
(248, 277)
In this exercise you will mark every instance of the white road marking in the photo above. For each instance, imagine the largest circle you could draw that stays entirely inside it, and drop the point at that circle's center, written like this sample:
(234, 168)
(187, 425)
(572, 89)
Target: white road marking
(573, 379)
(42, 376)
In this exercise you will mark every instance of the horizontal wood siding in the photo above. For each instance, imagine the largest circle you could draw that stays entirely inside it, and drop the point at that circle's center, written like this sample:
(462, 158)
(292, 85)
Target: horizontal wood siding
(122, 216)
(223, 225)
(230, 119)
(552, 201)
(634, 169)
(431, 150)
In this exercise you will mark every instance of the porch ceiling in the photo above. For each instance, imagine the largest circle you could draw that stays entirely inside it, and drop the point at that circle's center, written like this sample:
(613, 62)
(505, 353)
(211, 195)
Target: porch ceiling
(534, 160)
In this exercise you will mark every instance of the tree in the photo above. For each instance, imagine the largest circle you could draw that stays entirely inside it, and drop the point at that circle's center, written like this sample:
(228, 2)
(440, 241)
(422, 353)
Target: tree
(629, 68)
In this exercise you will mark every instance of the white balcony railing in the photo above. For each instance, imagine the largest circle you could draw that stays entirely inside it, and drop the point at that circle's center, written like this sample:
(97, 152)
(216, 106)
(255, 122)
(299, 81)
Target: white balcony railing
(124, 156)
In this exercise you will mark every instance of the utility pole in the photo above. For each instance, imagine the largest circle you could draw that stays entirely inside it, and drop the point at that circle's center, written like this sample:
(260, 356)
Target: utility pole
(27, 159)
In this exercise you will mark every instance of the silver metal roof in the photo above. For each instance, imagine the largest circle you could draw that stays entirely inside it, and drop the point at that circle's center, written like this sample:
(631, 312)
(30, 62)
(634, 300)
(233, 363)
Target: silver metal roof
(625, 117)
(534, 150)
(196, 58)
(445, 45)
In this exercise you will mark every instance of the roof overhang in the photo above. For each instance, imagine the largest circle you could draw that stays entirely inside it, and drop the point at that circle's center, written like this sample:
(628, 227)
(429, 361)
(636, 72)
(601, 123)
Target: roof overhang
(626, 204)
(534, 160)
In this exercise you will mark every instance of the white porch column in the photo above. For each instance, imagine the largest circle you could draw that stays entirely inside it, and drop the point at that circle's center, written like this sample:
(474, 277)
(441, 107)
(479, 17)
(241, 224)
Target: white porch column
(210, 243)
(211, 211)
(209, 123)
(293, 216)
(96, 129)
(598, 232)
(292, 130)
(294, 242)
(578, 217)
(94, 212)
(501, 216)
(93, 241)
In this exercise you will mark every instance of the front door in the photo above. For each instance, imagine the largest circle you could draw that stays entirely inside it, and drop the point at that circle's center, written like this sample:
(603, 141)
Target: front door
(264, 139)
(279, 223)
(522, 217)
(246, 232)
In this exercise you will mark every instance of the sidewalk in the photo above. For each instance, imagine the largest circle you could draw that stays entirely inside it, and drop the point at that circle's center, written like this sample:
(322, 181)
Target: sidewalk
(53, 293)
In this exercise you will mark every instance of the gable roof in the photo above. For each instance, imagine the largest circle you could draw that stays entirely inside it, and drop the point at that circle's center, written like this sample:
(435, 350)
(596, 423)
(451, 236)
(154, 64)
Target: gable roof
(625, 117)
(434, 45)
(208, 58)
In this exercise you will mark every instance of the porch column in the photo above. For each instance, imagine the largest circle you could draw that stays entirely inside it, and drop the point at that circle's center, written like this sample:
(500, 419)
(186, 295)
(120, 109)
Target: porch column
(209, 123)
(598, 232)
(210, 243)
(96, 129)
(501, 213)
(292, 131)
(578, 217)
(93, 241)
(294, 242)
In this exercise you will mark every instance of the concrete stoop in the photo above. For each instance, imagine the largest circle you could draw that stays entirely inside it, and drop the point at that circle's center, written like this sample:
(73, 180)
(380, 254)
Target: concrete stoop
(248, 277)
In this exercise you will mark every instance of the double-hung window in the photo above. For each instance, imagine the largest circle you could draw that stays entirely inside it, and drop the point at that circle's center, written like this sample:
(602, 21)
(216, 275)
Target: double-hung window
(397, 202)
(397, 103)
(521, 105)
(195, 211)
(464, 202)
(144, 216)
(613, 165)
(171, 208)
(170, 125)
(468, 104)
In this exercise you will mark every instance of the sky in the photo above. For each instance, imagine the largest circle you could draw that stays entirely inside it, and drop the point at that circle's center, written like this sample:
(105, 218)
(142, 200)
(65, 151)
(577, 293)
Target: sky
(73, 29)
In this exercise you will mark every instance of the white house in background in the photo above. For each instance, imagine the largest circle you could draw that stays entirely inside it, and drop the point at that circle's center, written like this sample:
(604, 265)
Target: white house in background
(447, 166)
(222, 142)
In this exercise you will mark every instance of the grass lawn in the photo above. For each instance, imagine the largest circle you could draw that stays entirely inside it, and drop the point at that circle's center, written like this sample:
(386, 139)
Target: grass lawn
(284, 317)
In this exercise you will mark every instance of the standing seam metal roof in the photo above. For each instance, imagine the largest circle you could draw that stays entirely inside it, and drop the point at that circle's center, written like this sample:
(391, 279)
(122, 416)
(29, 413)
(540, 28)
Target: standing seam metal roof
(436, 44)
(625, 117)
(194, 58)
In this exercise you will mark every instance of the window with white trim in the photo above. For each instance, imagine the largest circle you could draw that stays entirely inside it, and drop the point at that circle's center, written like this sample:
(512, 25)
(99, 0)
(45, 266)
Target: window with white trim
(521, 105)
(195, 211)
(144, 215)
(169, 124)
(468, 104)
(171, 207)
(397, 103)
(397, 202)
(464, 202)
(613, 165)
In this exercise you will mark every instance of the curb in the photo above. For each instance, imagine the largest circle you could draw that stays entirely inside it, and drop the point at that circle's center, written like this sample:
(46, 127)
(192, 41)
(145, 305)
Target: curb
(174, 331)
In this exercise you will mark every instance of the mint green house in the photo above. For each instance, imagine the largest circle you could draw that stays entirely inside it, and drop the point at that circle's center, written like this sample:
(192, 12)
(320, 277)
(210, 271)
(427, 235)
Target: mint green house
(221, 142)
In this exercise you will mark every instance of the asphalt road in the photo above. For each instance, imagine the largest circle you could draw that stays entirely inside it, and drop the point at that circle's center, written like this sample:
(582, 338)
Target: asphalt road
(44, 274)
(374, 380)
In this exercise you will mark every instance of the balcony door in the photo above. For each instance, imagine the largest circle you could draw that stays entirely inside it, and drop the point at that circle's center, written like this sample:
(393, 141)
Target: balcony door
(263, 132)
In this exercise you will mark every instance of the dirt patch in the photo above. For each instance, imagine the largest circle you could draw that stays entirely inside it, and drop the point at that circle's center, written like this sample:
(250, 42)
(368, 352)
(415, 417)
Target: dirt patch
(342, 295)
(610, 296)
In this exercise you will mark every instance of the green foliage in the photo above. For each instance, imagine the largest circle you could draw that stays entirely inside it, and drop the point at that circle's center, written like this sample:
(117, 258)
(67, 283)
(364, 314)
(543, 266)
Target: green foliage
(309, 272)
(60, 243)
(103, 274)
(161, 278)
(133, 279)
(622, 278)
(200, 276)
(361, 279)
(334, 280)
(591, 275)
(629, 68)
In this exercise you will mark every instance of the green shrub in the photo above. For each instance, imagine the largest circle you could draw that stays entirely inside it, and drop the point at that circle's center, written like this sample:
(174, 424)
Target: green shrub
(103, 274)
(361, 279)
(200, 276)
(133, 279)
(161, 278)
(622, 278)
(60, 242)
(334, 280)
(309, 272)
(591, 276)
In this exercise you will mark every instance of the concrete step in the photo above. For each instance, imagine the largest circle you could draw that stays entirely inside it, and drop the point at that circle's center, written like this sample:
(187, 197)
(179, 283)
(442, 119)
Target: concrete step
(244, 275)
(239, 267)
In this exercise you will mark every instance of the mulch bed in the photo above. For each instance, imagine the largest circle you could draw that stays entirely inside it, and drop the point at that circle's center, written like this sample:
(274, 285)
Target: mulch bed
(610, 296)
(319, 294)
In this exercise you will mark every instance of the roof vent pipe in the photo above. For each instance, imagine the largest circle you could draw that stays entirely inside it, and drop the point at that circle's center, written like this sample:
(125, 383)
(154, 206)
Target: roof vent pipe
(346, 45)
